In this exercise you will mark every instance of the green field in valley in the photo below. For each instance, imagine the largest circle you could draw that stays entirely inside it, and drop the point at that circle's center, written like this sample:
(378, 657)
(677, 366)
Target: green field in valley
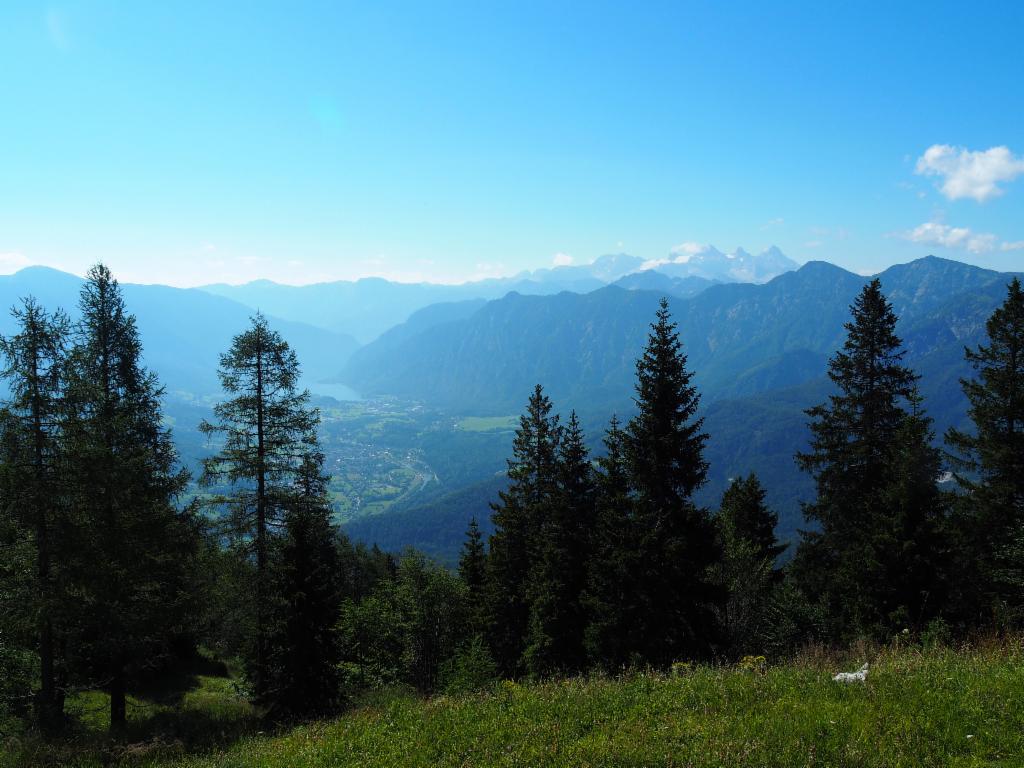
(488, 423)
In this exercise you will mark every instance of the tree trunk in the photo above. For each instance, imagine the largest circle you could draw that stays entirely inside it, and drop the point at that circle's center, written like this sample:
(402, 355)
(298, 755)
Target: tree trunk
(261, 531)
(118, 714)
(49, 708)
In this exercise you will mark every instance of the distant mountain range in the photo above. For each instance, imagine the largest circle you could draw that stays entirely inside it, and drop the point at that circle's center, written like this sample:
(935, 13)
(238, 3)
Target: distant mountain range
(741, 338)
(367, 308)
(758, 351)
(184, 331)
(759, 354)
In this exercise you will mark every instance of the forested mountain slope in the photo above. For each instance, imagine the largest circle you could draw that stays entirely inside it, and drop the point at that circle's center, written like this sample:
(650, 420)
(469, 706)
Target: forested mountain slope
(741, 339)
(759, 352)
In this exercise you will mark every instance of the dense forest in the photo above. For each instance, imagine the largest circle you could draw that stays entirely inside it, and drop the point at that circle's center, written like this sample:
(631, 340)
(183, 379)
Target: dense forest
(112, 574)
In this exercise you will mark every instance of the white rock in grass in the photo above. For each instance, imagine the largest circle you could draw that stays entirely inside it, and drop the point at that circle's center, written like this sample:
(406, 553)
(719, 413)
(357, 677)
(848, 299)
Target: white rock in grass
(853, 677)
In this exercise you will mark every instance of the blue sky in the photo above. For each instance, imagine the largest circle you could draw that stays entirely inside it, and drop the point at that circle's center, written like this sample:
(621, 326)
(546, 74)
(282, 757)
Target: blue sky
(189, 143)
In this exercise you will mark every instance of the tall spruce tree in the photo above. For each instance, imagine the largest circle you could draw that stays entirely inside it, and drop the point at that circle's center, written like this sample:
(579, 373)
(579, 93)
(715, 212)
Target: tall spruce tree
(612, 597)
(990, 460)
(559, 574)
(664, 448)
(303, 652)
(873, 468)
(532, 474)
(473, 572)
(132, 546)
(35, 360)
(267, 428)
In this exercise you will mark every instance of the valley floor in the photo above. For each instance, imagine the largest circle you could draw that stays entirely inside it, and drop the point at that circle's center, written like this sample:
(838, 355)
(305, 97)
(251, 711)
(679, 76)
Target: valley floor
(935, 707)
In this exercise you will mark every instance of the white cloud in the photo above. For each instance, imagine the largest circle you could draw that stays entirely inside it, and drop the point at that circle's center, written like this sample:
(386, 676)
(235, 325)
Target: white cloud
(970, 173)
(561, 259)
(1016, 245)
(776, 222)
(12, 261)
(813, 244)
(957, 238)
(683, 252)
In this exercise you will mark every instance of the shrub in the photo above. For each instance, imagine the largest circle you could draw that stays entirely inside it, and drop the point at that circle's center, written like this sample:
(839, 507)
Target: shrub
(471, 669)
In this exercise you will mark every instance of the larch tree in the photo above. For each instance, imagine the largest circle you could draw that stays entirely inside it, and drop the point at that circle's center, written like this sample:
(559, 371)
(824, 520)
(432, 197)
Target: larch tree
(35, 361)
(132, 544)
(266, 429)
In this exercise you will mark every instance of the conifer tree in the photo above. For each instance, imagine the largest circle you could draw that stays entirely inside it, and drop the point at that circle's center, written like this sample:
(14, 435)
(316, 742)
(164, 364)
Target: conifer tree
(132, 546)
(665, 455)
(532, 485)
(990, 459)
(914, 531)
(746, 528)
(303, 652)
(870, 431)
(267, 428)
(473, 572)
(612, 597)
(35, 370)
(559, 574)
(745, 513)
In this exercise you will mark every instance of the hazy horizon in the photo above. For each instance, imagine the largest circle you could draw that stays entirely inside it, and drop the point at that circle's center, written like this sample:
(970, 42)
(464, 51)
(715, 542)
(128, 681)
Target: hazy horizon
(527, 271)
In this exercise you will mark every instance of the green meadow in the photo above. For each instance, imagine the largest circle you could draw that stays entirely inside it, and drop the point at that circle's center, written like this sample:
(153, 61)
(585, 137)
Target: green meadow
(919, 707)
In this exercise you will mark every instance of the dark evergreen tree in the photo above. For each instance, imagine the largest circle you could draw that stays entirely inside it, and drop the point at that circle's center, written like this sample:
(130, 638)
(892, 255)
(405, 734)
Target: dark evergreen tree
(35, 361)
(19, 665)
(303, 653)
(559, 573)
(745, 513)
(473, 572)
(746, 529)
(989, 461)
(132, 547)
(362, 568)
(532, 474)
(665, 455)
(872, 465)
(267, 429)
(914, 529)
(612, 597)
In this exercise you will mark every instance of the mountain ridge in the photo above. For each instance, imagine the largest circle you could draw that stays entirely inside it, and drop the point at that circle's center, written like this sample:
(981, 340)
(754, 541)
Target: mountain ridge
(729, 331)
(368, 307)
(172, 320)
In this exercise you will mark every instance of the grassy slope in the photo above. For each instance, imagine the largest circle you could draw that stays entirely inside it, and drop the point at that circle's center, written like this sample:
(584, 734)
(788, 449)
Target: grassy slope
(934, 708)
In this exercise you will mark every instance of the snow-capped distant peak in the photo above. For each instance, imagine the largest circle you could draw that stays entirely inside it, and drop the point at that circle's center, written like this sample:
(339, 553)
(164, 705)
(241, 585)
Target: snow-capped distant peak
(691, 259)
